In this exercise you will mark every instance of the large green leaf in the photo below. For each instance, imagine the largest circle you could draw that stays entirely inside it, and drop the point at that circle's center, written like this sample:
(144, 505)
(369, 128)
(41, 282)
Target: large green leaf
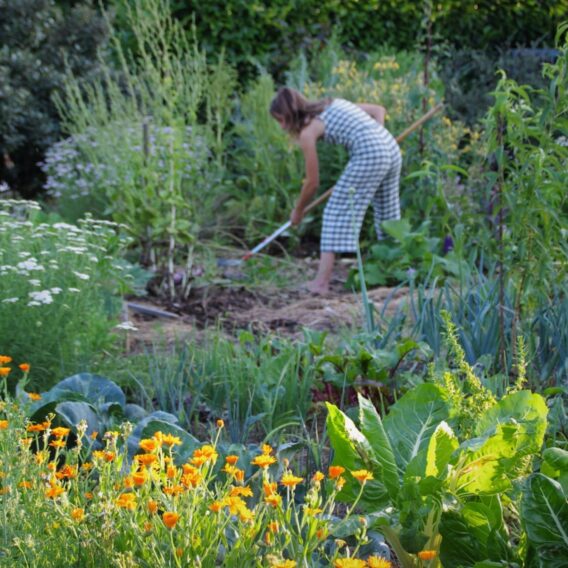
(353, 451)
(372, 429)
(443, 444)
(544, 514)
(413, 419)
(555, 465)
(73, 412)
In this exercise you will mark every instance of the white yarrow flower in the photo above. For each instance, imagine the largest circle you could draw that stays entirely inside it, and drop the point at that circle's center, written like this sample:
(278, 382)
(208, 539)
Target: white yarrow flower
(81, 275)
(126, 326)
(10, 300)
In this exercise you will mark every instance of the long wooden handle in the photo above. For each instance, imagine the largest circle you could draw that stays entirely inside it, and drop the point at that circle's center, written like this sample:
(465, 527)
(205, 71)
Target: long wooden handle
(414, 126)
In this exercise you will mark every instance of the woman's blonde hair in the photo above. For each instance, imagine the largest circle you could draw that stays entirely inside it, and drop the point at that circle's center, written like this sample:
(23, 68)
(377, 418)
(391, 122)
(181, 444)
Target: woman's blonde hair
(296, 111)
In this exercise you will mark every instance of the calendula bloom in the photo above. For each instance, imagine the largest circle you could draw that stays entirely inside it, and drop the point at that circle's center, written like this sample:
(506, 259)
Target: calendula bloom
(245, 515)
(60, 432)
(25, 367)
(243, 491)
(149, 444)
(427, 554)
(170, 440)
(57, 443)
(147, 526)
(335, 471)
(232, 460)
(152, 507)
(216, 506)
(312, 511)
(78, 514)
(220, 423)
(38, 427)
(34, 396)
(266, 449)
(378, 562)
(273, 526)
(104, 455)
(126, 501)
(362, 475)
(339, 483)
(321, 533)
(290, 480)
(88, 495)
(318, 476)
(171, 471)
(263, 460)
(3, 424)
(5, 359)
(170, 519)
(284, 564)
(203, 455)
(239, 475)
(350, 563)
(139, 477)
(67, 472)
(270, 488)
(26, 442)
(25, 484)
(174, 490)
(146, 459)
(190, 480)
(54, 491)
(5, 371)
(273, 500)
(87, 466)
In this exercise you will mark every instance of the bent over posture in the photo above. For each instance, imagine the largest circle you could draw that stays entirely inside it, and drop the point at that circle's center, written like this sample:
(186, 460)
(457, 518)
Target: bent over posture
(372, 174)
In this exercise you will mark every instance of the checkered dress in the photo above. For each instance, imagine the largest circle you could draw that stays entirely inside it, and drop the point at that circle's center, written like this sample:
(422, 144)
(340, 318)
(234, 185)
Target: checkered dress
(371, 176)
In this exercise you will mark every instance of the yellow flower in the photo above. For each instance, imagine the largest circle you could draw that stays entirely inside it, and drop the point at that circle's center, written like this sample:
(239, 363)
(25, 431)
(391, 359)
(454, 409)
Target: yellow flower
(290, 480)
(273, 526)
(78, 514)
(203, 455)
(312, 511)
(244, 491)
(139, 477)
(3, 424)
(104, 455)
(25, 367)
(269, 488)
(216, 506)
(349, 563)
(152, 507)
(170, 519)
(5, 359)
(67, 472)
(149, 444)
(145, 459)
(427, 555)
(335, 471)
(245, 515)
(378, 562)
(220, 423)
(25, 484)
(283, 564)
(362, 475)
(38, 427)
(60, 432)
(34, 396)
(4, 371)
(54, 491)
(266, 449)
(57, 444)
(263, 460)
(273, 500)
(170, 440)
(126, 501)
(318, 476)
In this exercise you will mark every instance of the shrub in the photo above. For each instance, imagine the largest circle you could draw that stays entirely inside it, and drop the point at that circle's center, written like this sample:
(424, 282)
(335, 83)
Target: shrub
(58, 289)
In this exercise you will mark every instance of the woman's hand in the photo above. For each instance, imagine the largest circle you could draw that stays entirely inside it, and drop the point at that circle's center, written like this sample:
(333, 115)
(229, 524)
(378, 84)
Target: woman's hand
(296, 216)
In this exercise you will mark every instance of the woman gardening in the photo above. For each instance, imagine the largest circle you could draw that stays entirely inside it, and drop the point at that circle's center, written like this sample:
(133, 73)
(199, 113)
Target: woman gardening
(372, 174)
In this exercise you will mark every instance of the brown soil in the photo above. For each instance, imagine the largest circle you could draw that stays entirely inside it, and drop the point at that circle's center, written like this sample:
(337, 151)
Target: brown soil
(284, 311)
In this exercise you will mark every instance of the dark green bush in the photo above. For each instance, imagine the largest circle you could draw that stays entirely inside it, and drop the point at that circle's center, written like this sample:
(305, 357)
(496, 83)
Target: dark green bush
(38, 39)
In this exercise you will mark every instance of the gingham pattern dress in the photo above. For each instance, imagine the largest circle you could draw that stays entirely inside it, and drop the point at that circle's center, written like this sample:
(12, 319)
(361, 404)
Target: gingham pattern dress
(371, 177)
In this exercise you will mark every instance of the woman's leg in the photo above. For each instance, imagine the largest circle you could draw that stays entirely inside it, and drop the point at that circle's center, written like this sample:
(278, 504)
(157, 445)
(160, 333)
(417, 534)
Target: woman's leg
(386, 201)
(320, 284)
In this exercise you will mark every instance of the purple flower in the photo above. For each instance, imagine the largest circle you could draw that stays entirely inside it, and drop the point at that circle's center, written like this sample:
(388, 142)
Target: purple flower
(448, 244)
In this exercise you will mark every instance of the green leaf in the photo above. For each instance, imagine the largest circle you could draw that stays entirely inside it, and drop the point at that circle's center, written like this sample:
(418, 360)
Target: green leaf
(413, 419)
(544, 514)
(372, 429)
(443, 444)
(353, 451)
(73, 412)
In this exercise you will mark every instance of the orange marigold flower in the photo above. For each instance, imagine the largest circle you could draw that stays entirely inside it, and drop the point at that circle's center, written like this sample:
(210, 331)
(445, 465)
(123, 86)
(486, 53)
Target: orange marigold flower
(378, 562)
(191, 479)
(149, 444)
(152, 507)
(5, 359)
(93, 435)
(171, 472)
(170, 519)
(290, 480)
(273, 526)
(38, 427)
(269, 488)
(232, 460)
(427, 554)
(126, 501)
(3, 424)
(67, 472)
(60, 432)
(203, 455)
(147, 527)
(170, 440)
(78, 514)
(362, 475)
(25, 484)
(57, 443)
(146, 459)
(139, 477)
(5, 371)
(321, 533)
(266, 449)
(350, 563)
(54, 491)
(273, 500)
(34, 396)
(244, 491)
(25, 367)
(220, 423)
(174, 490)
(263, 460)
(240, 475)
(104, 455)
(335, 471)
(88, 495)
(216, 506)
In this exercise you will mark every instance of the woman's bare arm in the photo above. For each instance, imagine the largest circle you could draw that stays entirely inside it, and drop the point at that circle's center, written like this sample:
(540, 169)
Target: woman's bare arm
(377, 112)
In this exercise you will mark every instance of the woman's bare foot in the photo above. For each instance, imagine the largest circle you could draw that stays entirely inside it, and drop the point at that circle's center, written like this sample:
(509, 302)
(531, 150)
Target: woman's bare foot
(317, 287)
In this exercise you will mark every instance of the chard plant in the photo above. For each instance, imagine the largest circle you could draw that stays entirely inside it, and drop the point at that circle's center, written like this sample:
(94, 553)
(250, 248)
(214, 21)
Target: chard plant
(453, 474)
